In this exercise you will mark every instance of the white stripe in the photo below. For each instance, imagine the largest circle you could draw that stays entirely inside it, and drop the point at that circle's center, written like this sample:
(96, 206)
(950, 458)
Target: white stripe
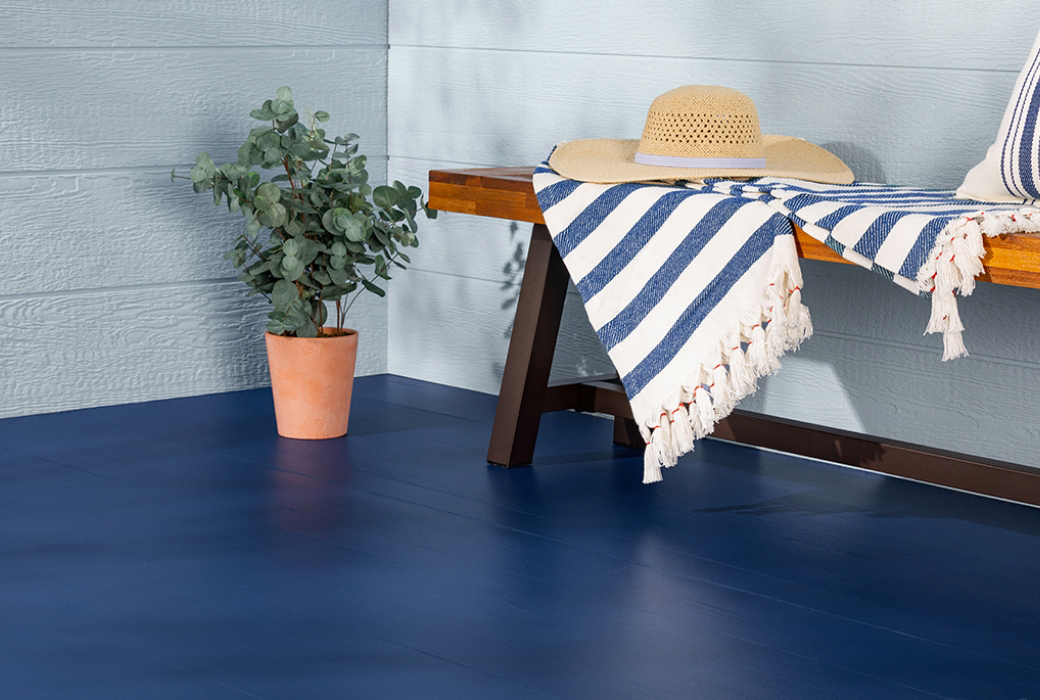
(815, 212)
(587, 254)
(560, 215)
(701, 272)
(900, 241)
(633, 277)
(703, 343)
(849, 230)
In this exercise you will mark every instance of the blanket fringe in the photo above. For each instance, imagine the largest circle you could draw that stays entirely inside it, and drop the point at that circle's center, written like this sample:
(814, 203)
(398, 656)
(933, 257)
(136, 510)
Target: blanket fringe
(954, 263)
(750, 350)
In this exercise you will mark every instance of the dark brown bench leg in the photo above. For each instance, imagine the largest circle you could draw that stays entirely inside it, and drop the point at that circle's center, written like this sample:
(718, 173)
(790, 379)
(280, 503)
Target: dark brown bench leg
(531, 348)
(626, 433)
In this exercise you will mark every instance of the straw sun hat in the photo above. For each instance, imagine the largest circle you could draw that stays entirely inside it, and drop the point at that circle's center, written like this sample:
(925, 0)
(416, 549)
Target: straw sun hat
(694, 132)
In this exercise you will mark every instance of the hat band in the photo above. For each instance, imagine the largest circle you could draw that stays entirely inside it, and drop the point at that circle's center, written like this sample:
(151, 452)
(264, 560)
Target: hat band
(720, 163)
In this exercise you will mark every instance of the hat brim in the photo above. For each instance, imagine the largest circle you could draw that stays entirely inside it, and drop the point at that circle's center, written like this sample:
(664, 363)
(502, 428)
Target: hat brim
(611, 161)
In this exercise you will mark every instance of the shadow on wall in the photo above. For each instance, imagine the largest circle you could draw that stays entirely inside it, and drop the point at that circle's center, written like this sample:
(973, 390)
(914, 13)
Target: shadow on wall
(512, 275)
(864, 163)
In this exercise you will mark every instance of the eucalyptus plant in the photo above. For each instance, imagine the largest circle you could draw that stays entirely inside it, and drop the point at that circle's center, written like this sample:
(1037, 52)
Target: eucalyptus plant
(331, 235)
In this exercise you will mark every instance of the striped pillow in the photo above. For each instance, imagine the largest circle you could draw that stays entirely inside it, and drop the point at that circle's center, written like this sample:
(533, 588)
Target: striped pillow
(1011, 172)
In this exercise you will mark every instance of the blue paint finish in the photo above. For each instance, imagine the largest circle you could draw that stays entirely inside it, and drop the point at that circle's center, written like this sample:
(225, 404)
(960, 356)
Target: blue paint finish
(180, 549)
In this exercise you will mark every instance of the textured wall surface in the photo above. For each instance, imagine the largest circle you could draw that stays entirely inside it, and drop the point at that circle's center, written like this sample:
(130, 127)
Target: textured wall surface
(482, 84)
(114, 288)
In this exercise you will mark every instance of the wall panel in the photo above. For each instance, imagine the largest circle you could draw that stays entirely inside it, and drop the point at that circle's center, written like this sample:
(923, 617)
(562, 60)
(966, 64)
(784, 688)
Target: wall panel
(126, 23)
(67, 109)
(506, 107)
(114, 287)
(66, 351)
(932, 33)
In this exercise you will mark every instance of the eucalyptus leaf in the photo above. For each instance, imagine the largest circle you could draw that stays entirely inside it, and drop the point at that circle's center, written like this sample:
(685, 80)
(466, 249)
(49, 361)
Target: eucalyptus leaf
(270, 190)
(385, 197)
(339, 276)
(284, 294)
(355, 231)
(373, 288)
(292, 268)
(274, 216)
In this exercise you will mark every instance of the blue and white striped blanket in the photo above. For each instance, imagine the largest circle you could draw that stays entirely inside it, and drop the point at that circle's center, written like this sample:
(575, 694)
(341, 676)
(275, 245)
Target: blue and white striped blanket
(695, 290)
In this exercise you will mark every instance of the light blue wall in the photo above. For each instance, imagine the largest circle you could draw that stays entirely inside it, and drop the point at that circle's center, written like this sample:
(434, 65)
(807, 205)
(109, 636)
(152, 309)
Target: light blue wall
(113, 287)
(905, 92)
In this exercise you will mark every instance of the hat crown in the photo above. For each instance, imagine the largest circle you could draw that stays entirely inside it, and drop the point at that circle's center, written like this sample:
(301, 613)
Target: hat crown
(702, 121)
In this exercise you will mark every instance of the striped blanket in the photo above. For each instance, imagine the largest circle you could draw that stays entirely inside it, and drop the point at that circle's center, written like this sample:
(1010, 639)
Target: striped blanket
(695, 289)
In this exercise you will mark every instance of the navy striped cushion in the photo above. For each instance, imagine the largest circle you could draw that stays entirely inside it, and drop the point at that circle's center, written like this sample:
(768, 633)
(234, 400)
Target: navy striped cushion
(1010, 172)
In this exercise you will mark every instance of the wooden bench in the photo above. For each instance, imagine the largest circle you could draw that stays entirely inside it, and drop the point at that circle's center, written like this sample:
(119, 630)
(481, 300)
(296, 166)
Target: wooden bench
(507, 193)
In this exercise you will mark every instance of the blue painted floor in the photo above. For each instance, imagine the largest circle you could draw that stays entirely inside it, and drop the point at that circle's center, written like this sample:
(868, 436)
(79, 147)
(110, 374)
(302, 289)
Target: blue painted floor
(179, 549)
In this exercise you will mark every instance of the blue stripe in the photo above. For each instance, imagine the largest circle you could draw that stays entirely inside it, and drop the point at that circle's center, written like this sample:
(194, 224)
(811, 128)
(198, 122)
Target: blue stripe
(592, 216)
(835, 217)
(629, 246)
(922, 246)
(556, 192)
(1025, 148)
(801, 201)
(752, 250)
(877, 233)
(619, 327)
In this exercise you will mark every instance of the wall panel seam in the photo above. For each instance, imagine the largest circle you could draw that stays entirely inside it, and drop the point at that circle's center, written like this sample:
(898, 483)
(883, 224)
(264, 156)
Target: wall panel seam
(121, 288)
(184, 48)
(713, 59)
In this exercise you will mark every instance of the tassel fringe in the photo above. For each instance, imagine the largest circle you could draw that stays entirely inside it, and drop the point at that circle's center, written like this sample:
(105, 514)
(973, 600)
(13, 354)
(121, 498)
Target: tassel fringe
(751, 350)
(753, 347)
(955, 262)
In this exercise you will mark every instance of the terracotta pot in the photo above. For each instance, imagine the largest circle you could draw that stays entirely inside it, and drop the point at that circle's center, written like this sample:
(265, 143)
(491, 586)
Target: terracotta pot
(312, 379)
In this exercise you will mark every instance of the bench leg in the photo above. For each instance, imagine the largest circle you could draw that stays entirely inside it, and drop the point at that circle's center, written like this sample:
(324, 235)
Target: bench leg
(626, 433)
(531, 348)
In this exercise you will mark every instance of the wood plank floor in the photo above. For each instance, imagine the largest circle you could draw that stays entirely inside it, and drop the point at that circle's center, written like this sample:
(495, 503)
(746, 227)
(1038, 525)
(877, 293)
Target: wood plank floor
(179, 549)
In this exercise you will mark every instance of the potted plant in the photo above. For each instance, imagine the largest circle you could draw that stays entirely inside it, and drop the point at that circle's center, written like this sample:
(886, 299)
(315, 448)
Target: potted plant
(316, 233)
